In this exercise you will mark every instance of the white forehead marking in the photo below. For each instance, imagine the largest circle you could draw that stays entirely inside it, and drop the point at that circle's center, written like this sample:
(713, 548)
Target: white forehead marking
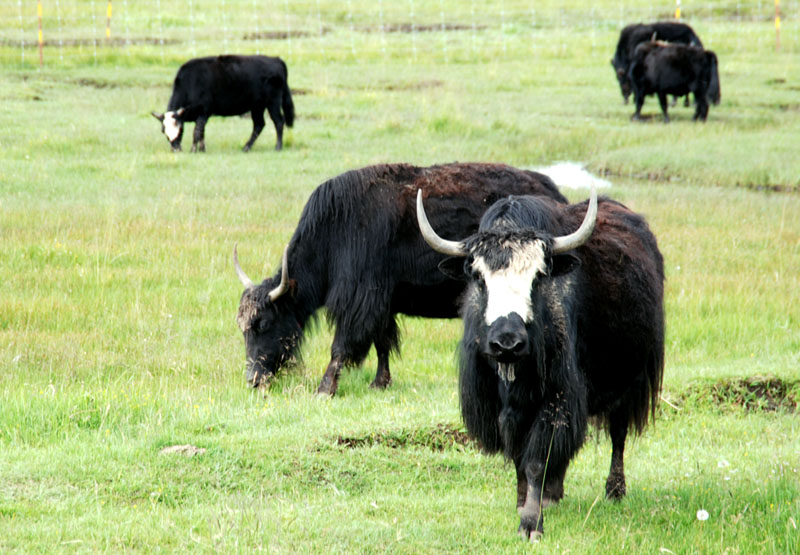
(171, 126)
(509, 289)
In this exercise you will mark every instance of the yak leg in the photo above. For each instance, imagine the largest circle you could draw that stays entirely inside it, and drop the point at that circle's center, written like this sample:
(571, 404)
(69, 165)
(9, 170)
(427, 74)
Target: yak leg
(198, 139)
(554, 485)
(531, 525)
(639, 99)
(662, 99)
(385, 340)
(274, 109)
(258, 125)
(701, 112)
(330, 381)
(618, 429)
(686, 100)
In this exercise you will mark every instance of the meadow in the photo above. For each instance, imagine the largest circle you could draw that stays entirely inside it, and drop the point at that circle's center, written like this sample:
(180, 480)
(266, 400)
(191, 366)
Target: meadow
(118, 296)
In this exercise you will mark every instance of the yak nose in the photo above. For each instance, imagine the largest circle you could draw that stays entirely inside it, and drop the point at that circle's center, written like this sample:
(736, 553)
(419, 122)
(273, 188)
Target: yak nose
(508, 340)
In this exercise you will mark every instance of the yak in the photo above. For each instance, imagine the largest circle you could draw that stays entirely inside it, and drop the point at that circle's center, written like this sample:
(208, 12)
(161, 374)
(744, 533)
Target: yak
(563, 320)
(228, 86)
(637, 33)
(676, 69)
(356, 252)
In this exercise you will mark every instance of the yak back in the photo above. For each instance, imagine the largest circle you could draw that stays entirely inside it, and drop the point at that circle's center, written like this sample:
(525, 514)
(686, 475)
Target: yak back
(637, 33)
(358, 242)
(227, 85)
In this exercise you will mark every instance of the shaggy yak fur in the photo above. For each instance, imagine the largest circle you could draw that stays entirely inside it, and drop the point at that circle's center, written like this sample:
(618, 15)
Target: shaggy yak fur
(637, 33)
(228, 86)
(357, 252)
(593, 346)
(675, 69)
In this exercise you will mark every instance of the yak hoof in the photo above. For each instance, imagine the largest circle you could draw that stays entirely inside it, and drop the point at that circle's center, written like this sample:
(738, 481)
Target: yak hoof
(278, 146)
(246, 148)
(533, 536)
(615, 489)
(380, 384)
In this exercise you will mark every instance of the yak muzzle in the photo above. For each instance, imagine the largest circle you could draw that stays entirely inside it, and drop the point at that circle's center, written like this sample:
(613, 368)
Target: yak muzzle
(507, 339)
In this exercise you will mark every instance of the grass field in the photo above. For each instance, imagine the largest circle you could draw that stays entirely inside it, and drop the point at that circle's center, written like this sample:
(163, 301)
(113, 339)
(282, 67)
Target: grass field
(118, 296)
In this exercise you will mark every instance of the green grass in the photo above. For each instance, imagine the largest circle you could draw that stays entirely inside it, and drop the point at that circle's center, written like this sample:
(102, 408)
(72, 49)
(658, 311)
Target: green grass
(118, 296)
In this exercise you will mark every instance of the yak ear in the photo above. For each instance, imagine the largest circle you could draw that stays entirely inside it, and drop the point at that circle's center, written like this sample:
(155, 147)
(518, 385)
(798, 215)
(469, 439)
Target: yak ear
(453, 267)
(564, 264)
(159, 117)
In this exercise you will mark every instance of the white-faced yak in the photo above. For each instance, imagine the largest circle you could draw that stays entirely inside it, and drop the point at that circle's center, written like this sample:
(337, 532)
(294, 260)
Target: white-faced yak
(357, 252)
(227, 86)
(563, 321)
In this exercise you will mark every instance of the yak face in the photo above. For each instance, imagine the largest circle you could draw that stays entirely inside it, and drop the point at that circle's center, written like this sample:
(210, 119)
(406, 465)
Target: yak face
(172, 127)
(271, 332)
(508, 272)
(622, 77)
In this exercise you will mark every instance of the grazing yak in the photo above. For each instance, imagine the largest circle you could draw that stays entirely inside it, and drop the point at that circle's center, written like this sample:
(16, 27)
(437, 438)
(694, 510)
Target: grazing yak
(637, 33)
(676, 69)
(563, 321)
(227, 86)
(358, 253)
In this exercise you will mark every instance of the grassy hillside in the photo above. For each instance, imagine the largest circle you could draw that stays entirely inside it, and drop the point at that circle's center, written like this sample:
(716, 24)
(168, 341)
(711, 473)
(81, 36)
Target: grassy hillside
(118, 296)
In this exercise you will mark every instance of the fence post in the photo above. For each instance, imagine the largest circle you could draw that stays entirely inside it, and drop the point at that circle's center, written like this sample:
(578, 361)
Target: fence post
(677, 9)
(108, 21)
(777, 24)
(41, 36)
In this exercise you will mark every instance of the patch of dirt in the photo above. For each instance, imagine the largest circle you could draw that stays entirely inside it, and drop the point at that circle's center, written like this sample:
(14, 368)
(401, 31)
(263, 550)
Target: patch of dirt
(418, 86)
(420, 28)
(284, 35)
(770, 188)
(753, 394)
(438, 438)
(185, 450)
(100, 42)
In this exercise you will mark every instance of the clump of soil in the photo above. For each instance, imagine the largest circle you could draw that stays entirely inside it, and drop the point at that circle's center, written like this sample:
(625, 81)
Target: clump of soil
(438, 438)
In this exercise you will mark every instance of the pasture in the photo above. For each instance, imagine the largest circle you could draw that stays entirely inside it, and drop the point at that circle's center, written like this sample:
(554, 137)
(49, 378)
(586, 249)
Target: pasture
(118, 295)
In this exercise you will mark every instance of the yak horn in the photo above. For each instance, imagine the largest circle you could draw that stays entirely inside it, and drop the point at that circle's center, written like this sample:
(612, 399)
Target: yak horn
(246, 281)
(444, 246)
(283, 286)
(159, 117)
(579, 237)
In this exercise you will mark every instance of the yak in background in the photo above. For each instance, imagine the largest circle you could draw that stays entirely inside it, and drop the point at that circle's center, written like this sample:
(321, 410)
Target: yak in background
(228, 86)
(635, 34)
(663, 69)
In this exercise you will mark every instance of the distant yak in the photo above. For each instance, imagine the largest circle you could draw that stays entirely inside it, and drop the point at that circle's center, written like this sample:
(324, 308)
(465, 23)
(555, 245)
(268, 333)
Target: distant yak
(563, 320)
(357, 252)
(675, 69)
(227, 86)
(637, 33)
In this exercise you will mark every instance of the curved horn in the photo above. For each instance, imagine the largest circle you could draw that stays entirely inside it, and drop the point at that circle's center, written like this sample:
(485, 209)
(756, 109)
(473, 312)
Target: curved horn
(159, 117)
(579, 237)
(246, 281)
(444, 246)
(283, 286)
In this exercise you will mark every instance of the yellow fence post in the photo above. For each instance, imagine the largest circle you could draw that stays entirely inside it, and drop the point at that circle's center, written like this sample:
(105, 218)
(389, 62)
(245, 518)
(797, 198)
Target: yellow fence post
(108, 21)
(777, 24)
(41, 36)
(678, 9)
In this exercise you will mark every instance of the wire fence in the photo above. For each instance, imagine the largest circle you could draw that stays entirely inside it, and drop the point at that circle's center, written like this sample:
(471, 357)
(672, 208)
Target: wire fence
(71, 33)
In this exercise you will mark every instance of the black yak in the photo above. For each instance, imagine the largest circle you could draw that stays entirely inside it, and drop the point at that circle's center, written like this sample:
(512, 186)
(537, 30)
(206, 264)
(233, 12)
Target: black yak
(637, 33)
(563, 320)
(675, 69)
(227, 86)
(357, 252)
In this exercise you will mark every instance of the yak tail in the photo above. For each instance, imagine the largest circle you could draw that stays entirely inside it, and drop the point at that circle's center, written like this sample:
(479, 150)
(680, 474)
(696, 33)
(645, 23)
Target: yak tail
(288, 106)
(713, 84)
